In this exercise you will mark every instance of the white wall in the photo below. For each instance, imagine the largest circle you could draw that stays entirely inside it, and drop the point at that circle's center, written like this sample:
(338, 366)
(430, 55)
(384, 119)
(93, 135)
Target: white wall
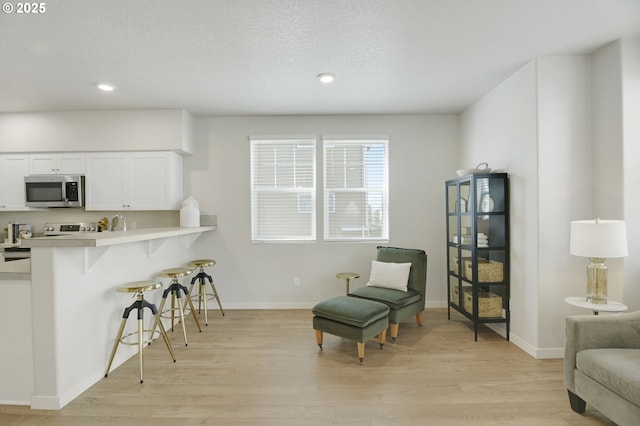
(607, 124)
(564, 122)
(501, 129)
(607, 127)
(139, 130)
(630, 50)
(565, 190)
(423, 154)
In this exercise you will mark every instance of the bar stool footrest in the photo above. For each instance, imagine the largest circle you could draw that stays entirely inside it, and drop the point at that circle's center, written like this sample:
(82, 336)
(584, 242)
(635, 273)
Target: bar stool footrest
(148, 336)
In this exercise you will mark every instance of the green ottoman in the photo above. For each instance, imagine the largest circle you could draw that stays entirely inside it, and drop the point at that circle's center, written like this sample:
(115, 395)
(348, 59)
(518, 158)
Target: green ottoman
(351, 318)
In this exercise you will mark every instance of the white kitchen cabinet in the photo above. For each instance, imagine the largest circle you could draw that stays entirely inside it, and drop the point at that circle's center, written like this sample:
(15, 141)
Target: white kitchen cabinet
(57, 163)
(105, 181)
(13, 169)
(133, 181)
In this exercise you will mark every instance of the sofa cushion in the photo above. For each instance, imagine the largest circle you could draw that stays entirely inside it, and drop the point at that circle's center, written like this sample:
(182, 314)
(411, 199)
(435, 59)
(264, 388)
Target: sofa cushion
(614, 368)
(352, 311)
(395, 299)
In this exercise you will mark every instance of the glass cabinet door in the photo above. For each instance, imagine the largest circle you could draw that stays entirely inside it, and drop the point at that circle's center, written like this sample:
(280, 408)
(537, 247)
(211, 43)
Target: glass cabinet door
(478, 247)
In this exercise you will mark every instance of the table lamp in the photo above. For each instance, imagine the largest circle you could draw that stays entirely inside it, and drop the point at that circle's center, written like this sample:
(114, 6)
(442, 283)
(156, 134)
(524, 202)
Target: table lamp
(598, 239)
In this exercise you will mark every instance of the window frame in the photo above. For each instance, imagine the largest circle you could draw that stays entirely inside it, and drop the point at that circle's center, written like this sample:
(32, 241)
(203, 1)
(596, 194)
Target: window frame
(305, 196)
(330, 192)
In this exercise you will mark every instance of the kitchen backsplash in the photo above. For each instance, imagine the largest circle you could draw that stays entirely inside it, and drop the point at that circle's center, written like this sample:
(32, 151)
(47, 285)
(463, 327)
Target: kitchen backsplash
(137, 219)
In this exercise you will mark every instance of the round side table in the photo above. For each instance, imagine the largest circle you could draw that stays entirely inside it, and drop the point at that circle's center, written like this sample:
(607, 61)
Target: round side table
(610, 306)
(346, 276)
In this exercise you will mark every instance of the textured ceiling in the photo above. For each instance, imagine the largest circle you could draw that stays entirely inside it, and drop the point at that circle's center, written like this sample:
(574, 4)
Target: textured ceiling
(228, 57)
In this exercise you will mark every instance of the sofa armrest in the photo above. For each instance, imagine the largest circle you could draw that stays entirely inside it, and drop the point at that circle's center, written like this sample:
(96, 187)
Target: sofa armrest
(597, 331)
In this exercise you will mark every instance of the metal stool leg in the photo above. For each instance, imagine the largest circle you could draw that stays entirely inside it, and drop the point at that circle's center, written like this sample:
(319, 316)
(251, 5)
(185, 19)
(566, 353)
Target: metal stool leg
(140, 343)
(176, 289)
(173, 309)
(202, 297)
(201, 278)
(139, 304)
(181, 310)
(215, 292)
(160, 310)
(163, 332)
(193, 311)
(115, 345)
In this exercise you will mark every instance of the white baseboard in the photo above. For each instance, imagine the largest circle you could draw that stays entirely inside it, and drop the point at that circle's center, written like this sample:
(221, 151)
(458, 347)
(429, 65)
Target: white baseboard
(45, 403)
(296, 305)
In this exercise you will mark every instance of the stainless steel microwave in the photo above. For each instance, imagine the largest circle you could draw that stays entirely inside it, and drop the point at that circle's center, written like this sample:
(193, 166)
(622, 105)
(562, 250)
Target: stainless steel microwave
(54, 190)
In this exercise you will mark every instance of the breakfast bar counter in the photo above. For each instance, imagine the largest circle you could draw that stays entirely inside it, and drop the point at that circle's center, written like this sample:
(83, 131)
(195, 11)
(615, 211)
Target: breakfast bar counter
(110, 238)
(67, 314)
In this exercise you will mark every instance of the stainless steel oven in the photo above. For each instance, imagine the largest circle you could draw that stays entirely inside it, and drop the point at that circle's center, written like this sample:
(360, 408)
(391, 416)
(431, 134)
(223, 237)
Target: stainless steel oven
(16, 253)
(70, 228)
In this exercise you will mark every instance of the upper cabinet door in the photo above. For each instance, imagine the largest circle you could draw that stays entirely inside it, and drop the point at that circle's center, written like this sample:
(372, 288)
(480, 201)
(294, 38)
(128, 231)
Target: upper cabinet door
(66, 164)
(13, 169)
(144, 181)
(150, 178)
(105, 182)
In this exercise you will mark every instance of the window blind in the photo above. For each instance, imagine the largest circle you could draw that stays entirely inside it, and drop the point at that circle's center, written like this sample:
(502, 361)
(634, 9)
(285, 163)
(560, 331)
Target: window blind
(283, 190)
(356, 201)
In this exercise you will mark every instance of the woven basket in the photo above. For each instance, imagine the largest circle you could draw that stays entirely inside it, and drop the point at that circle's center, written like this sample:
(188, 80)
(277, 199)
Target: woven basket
(454, 294)
(489, 304)
(488, 270)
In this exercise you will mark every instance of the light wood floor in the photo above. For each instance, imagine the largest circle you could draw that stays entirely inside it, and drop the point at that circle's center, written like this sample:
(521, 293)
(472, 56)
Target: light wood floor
(263, 367)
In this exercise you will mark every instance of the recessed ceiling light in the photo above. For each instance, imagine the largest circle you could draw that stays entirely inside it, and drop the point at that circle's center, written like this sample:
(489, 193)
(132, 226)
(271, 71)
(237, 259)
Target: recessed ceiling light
(106, 87)
(326, 77)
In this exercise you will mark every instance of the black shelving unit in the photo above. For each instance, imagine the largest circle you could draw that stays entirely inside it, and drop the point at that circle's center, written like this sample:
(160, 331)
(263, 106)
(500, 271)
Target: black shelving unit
(478, 248)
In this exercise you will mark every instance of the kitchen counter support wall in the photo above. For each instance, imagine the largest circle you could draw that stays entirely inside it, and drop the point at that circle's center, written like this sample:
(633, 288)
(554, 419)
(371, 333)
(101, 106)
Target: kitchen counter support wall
(16, 355)
(76, 311)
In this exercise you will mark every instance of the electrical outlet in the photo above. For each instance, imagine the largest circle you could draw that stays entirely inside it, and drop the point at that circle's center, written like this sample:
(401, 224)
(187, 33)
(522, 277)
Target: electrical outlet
(296, 282)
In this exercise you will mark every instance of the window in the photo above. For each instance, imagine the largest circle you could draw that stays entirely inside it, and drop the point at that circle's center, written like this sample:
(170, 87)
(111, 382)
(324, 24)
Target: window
(356, 189)
(283, 189)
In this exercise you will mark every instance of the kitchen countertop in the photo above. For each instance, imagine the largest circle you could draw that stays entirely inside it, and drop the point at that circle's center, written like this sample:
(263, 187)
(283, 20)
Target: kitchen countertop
(21, 269)
(110, 238)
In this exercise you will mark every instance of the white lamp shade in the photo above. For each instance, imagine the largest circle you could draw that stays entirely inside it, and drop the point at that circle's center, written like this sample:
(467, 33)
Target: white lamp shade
(598, 238)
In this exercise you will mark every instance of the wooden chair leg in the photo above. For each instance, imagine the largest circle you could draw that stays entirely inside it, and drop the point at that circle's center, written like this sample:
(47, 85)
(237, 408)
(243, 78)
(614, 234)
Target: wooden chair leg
(382, 337)
(419, 319)
(319, 338)
(361, 351)
(394, 331)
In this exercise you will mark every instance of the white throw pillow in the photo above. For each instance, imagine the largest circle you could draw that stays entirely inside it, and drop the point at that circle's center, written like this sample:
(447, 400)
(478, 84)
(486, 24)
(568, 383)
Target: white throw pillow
(389, 275)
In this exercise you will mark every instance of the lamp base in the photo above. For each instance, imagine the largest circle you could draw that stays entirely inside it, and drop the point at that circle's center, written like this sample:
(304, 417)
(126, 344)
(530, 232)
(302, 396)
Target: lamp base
(597, 281)
(597, 300)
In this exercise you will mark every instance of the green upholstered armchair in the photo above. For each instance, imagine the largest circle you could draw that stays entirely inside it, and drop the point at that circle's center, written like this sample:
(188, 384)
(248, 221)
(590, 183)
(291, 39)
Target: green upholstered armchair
(402, 305)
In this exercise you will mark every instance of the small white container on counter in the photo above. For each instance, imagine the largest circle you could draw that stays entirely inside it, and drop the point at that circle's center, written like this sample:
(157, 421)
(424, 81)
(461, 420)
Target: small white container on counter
(190, 213)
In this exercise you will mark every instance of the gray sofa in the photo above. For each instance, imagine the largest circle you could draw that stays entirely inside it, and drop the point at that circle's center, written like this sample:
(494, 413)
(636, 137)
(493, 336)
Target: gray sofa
(602, 365)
